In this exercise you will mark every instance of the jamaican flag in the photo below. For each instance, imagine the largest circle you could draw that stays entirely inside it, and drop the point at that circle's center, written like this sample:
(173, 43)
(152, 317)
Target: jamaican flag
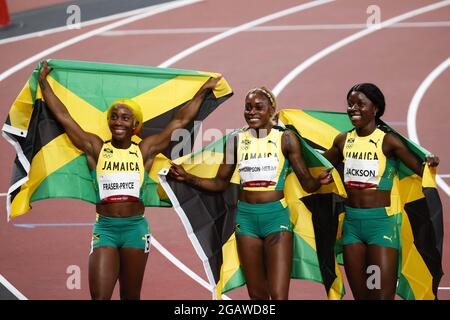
(49, 166)
(416, 198)
(209, 220)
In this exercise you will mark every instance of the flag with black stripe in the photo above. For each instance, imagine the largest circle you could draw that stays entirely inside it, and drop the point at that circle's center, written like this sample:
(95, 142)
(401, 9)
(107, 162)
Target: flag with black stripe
(415, 198)
(49, 166)
(209, 220)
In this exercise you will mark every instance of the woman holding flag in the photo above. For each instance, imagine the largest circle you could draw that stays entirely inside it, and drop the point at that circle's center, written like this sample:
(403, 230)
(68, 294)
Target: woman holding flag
(263, 155)
(121, 234)
(371, 153)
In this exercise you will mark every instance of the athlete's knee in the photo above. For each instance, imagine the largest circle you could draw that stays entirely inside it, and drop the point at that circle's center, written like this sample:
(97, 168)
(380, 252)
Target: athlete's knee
(128, 292)
(258, 294)
(279, 295)
(130, 295)
(100, 296)
(382, 294)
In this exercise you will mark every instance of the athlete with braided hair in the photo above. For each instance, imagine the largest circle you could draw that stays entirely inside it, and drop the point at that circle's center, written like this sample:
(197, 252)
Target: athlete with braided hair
(263, 155)
(370, 154)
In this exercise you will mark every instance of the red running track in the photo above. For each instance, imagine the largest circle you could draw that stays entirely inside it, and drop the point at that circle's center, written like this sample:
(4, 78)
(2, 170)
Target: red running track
(398, 59)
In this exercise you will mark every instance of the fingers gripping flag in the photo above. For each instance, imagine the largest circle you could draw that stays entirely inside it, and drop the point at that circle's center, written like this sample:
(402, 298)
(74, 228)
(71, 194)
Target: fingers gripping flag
(415, 198)
(49, 166)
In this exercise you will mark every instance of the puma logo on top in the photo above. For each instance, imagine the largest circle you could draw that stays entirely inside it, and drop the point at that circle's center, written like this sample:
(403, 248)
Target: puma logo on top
(375, 143)
(135, 153)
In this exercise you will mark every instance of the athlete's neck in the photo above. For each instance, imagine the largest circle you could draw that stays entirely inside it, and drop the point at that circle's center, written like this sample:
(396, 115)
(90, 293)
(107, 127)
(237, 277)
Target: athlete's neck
(366, 130)
(260, 132)
(121, 144)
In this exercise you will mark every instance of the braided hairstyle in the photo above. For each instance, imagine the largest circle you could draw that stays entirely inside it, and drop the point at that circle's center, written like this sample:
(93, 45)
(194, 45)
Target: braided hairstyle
(268, 94)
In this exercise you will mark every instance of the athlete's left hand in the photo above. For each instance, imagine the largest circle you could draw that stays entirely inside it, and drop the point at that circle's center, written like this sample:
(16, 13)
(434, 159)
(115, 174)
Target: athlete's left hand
(432, 160)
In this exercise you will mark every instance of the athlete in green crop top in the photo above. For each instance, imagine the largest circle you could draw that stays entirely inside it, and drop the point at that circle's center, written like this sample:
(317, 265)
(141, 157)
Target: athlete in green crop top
(262, 155)
(370, 156)
(121, 234)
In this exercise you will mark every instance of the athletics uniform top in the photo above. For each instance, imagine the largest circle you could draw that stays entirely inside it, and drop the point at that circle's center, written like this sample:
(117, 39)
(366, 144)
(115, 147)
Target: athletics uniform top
(366, 166)
(119, 173)
(260, 161)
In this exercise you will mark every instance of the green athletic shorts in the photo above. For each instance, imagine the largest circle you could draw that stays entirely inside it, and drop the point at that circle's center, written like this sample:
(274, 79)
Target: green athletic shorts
(260, 220)
(371, 226)
(131, 232)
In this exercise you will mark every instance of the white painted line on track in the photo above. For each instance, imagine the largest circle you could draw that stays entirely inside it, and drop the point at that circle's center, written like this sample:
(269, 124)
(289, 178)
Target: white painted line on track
(40, 225)
(414, 107)
(183, 267)
(166, 253)
(444, 176)
(356, 36)
(43, 54)
(310, 27)
(82, 25)
(167, 63)
(12, 289)
(241, 28)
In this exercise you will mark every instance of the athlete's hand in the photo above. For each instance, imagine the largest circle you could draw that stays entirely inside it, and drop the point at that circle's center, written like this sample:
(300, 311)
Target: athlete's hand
(210, 84)
(45, 70)
(325, 177)
(177, 172)
(432, 160)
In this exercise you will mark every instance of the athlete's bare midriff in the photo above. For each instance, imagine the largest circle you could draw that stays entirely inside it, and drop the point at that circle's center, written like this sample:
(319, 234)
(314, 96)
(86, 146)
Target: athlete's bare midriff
(260, 196)
(366, 198)
(121, 209)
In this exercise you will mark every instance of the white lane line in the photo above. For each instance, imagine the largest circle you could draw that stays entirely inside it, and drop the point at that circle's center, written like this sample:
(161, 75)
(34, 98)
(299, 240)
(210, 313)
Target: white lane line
(12, 289)
(40, 225)
(307, 27)
(241, 28)
(183, 267)
(323, 53)
(166, 253)
(414, 107)
(3, 194)
(444, 176)
(172, 60)
(444, 288)
(82, 25)
(152, 11)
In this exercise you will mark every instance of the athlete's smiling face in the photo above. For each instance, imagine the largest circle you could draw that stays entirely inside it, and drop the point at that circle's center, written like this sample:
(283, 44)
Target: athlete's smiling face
(360, 109)
(258, 111)
(121, 122)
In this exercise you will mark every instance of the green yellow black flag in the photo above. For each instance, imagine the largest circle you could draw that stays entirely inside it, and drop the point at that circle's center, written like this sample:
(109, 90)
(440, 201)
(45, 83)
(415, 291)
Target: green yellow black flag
(49, 166)
(415, 198)
(317, 218)
(209, 220)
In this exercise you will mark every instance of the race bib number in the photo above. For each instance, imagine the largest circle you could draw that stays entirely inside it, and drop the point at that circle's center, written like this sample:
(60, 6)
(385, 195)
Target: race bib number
(361, 174)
